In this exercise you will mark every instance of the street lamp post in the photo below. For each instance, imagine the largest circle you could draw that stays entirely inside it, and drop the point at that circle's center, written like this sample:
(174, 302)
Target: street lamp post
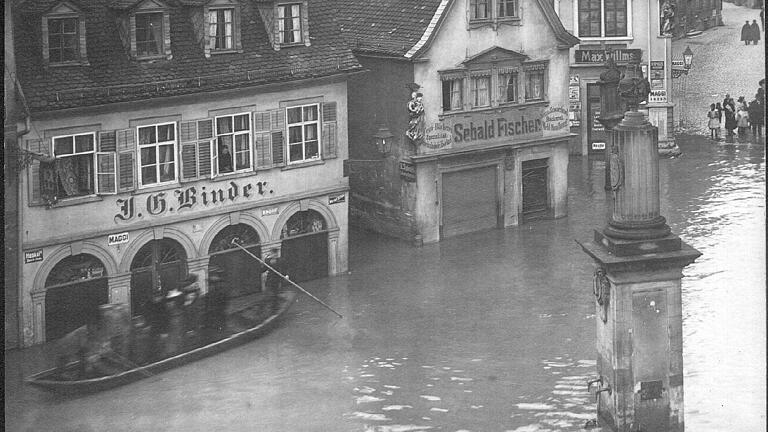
(637, 282)
(687, 57)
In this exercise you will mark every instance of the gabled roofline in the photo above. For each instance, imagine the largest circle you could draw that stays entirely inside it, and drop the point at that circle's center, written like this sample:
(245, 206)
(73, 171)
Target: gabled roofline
(494, 48)
(565, 38)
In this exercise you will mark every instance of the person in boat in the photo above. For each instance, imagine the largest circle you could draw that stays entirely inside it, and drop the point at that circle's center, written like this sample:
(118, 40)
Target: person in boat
(192, 306)
(274, 282)
(216, 304)
(174, 301)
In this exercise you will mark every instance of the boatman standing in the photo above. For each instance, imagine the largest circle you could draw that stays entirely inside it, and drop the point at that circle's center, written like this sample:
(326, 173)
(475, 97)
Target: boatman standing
(274, 282)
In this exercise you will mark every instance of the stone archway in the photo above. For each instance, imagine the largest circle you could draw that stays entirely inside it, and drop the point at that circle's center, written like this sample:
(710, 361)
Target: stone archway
(242, 273)
(157, 267)
(74, 289)
(304, 248)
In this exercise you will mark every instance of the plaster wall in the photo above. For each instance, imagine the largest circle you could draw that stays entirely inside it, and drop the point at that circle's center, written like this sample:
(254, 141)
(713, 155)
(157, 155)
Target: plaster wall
(273, 196)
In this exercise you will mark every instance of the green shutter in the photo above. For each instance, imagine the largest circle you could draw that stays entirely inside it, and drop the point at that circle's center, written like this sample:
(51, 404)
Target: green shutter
(106, 173)
(204, 159)
(263, 146)
(108, 141)
(188, 158)
(277, 126)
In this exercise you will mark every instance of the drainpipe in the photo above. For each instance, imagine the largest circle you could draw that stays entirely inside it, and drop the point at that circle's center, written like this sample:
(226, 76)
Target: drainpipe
(19, 217)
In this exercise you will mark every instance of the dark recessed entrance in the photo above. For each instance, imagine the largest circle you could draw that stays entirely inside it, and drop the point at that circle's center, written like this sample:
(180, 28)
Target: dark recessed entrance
(535, 199)
(243, 272)
(304, 250)
(75, 288)
(157, 268)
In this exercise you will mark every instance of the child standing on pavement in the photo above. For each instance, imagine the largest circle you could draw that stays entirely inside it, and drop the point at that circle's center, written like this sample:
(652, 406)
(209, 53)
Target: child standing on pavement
(714, 123)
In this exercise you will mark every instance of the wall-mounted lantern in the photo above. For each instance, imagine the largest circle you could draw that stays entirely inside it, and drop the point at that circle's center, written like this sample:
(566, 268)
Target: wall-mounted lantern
(687, 57)
(383, 140)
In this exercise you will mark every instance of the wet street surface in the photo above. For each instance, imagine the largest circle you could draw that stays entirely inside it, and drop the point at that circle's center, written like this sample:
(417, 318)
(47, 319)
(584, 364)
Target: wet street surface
(722, 65)
(492, 331)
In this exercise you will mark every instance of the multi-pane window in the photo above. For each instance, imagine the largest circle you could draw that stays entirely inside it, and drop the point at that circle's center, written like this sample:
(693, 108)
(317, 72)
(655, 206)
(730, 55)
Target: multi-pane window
(603, 18)
(303, 124)
(534, 84)
(479, 9)
(73, 173)
(149, 34)
(508, 83)
(62, 39)
(507, 8)
(221, 27)
(289, 23)
(233, 143)
(453, 90)
(478, 90)
(157, 154)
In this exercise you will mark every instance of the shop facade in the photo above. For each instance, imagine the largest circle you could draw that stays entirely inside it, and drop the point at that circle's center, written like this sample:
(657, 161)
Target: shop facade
(124, 199)
(626, 30)
(477, 112)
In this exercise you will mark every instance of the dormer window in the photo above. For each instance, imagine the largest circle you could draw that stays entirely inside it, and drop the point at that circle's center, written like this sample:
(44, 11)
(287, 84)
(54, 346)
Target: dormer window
(221, 28)
(144, 29)
(62, 40)
(149, 34)
(289, 23)
(64, 36)
(492, 12)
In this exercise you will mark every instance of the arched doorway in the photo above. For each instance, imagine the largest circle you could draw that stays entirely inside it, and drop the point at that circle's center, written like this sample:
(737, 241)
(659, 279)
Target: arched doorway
(75, 288)
(157, 267)
(243, 272)
(305, 246)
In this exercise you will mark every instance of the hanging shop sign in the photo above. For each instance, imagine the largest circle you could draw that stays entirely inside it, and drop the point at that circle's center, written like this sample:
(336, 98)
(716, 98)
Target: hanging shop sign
(678, 64)
(574, 80)
(407, 171)
(438, 136)
(598, 145)
(574, 114)
(33, 256)
(601, 56)
(676, 73)
(116, 239)
(554, 119)
(657, 65)
(338, 198)
(187, 199)
(657, 96)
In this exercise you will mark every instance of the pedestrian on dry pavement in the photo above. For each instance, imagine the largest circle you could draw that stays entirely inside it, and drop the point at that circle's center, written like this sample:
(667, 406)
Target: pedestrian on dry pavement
(714, 123)
(746, 33)
(755, 30)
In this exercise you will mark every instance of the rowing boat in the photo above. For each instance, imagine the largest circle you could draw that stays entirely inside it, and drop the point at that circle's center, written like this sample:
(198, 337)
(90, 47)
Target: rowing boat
(243, 325)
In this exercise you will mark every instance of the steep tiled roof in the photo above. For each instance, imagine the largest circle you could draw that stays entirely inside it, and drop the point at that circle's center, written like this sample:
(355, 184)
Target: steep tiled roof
(389, 27)
(407, 27)
(112, 76)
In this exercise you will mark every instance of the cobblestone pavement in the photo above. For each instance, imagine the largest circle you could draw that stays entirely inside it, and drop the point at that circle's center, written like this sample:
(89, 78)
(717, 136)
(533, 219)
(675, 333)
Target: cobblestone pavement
(721, 64)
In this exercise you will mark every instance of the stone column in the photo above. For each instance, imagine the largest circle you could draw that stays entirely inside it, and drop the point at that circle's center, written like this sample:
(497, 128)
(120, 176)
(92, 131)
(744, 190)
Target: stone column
(637, 282)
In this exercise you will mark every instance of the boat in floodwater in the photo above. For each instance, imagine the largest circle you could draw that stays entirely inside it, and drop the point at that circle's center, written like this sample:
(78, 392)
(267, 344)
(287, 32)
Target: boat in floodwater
(243, 325)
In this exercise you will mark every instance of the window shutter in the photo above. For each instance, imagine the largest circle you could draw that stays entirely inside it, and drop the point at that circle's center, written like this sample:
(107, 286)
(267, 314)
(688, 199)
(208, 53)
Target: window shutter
(35, 173)
(189, 161)
(330, 131)
(106, 173)
(204, 159)
(108, 141)
(126, 160)
(277, 148)
(188, 151)
(262, 139)
(205, 129)
(214, 151)
(277, 123)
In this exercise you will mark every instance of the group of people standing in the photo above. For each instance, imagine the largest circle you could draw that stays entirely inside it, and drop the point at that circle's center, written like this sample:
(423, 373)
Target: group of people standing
(750, 32)
(738, 116)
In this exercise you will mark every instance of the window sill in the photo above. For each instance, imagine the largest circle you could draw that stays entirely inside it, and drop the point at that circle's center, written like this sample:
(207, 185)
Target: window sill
(525, 104)
(606, 39)
(155, 188)
(66, 202)
(69, 63)
(303, 164)
(225, 51)
(151, 58)
(494, 22)
(291, 44)
(234, 175)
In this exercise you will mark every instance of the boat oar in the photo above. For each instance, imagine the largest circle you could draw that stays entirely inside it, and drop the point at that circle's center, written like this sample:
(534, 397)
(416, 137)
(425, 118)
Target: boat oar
(234, 242)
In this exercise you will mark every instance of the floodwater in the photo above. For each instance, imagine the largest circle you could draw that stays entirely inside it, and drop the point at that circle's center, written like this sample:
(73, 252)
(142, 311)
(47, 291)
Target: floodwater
(492, 331)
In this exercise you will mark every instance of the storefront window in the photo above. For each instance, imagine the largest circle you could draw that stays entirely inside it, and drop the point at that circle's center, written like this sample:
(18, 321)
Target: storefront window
(304, 222)
(75, 288)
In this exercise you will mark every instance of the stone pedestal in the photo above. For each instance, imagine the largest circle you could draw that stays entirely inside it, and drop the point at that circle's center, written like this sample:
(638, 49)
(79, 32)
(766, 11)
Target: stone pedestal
(640, 338)
(637, 282)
